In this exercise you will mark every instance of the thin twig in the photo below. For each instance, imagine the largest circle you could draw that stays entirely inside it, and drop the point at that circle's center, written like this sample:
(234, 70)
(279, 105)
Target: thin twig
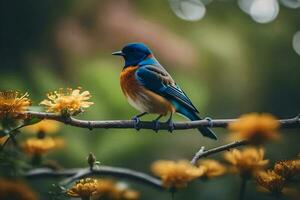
(11, 136)
(216, 123)
(203, 153)
(197, 155)
(77, 173)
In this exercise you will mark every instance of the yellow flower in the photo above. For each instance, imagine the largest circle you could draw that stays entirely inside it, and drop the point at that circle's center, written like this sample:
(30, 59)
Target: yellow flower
(255, 128)
(131, 195)
(45, 126)
(271, 181)
(101, 188)
(247, 161)
(12, 104)
(15, 190)
(106, 187)
(36, 146)
(211, 168)
(67, 101)
(175, 174)
(84, 188)
(287, 169)
(109, 189)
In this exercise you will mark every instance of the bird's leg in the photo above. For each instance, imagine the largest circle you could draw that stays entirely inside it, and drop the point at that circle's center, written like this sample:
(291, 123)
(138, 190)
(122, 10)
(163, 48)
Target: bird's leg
(170, 123)
(156, 123)
(210, 123)
(137, 120)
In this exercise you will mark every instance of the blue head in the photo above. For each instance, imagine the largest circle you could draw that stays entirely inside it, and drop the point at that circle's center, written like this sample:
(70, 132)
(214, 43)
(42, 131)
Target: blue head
(134, 53)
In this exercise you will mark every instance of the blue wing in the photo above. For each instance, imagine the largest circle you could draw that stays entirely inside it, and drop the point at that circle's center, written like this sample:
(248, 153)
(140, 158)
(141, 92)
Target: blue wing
(157, 79)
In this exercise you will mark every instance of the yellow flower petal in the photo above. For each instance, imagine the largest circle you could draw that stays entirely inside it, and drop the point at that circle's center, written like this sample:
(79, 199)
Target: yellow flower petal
(15, 190)
(256, 128)
(69, 100)
(176, 174)
(13, 105)
(247, 161)
(35, 146)
(270, 181)
(45, 126)
(288, 169)
(211, 168)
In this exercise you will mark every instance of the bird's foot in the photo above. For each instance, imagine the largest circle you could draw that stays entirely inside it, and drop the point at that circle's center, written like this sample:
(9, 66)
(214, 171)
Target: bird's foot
(210, 123)
(137, 120)
(136, 123)
(156, 125)
(171, 126)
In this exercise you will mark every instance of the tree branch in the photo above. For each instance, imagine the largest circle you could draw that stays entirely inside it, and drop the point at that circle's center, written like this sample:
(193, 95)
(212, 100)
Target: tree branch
(216, 123)
(77, 173)
(203, 153)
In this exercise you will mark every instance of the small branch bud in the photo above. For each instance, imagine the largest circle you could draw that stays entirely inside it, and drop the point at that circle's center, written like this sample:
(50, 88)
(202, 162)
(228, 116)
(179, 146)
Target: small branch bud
(91, 159)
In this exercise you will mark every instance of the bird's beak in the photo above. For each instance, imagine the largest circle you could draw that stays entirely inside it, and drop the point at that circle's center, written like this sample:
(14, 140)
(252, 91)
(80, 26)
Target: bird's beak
(118, 53)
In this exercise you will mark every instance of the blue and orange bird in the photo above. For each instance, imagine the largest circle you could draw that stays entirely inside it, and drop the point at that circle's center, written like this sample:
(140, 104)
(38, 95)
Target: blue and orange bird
(149, 88)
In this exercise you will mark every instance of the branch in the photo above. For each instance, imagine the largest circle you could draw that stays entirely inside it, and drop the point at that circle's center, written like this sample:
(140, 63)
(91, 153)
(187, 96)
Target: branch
(216, 123)
(203, 153)
(77, 173)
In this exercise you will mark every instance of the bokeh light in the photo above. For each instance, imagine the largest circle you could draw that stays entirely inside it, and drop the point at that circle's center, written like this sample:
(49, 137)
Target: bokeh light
(291, 3)
(296, 42)
(191, 10)
(245, 5)
(264, 11)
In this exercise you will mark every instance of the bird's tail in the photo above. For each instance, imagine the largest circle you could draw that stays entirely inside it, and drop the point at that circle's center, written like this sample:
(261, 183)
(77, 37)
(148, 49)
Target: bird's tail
(193, 117)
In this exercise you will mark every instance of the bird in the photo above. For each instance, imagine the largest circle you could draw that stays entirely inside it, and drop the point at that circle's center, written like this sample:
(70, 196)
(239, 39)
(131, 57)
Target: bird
(150, 89)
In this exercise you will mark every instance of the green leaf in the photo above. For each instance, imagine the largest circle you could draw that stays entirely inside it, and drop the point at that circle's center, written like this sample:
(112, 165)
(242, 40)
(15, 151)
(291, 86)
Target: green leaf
(32, 120)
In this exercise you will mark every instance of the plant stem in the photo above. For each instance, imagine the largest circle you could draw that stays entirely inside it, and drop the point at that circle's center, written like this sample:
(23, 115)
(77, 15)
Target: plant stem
(85, 198)
(36, 160)
(279, 197)
(242, 188)
(173, 190)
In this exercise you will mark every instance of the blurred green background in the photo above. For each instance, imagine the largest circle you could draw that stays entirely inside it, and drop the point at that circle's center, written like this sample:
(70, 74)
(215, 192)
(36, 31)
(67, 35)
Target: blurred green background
(227, 64)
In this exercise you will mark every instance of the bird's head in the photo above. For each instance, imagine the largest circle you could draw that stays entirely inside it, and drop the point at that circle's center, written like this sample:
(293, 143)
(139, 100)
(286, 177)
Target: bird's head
(134, 53)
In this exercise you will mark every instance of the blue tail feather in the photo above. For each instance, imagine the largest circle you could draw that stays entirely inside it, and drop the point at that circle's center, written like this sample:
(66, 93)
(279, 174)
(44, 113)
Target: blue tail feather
(193, 117)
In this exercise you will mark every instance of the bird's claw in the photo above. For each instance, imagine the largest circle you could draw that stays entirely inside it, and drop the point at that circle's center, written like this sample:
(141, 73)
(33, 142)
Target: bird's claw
(136, 123)
(171, 126)
(156, 125)
(209, 120)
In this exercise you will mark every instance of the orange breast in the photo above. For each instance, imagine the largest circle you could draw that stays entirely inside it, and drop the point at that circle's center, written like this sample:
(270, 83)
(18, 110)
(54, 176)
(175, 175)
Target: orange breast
(141, 98)
(128, 81)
